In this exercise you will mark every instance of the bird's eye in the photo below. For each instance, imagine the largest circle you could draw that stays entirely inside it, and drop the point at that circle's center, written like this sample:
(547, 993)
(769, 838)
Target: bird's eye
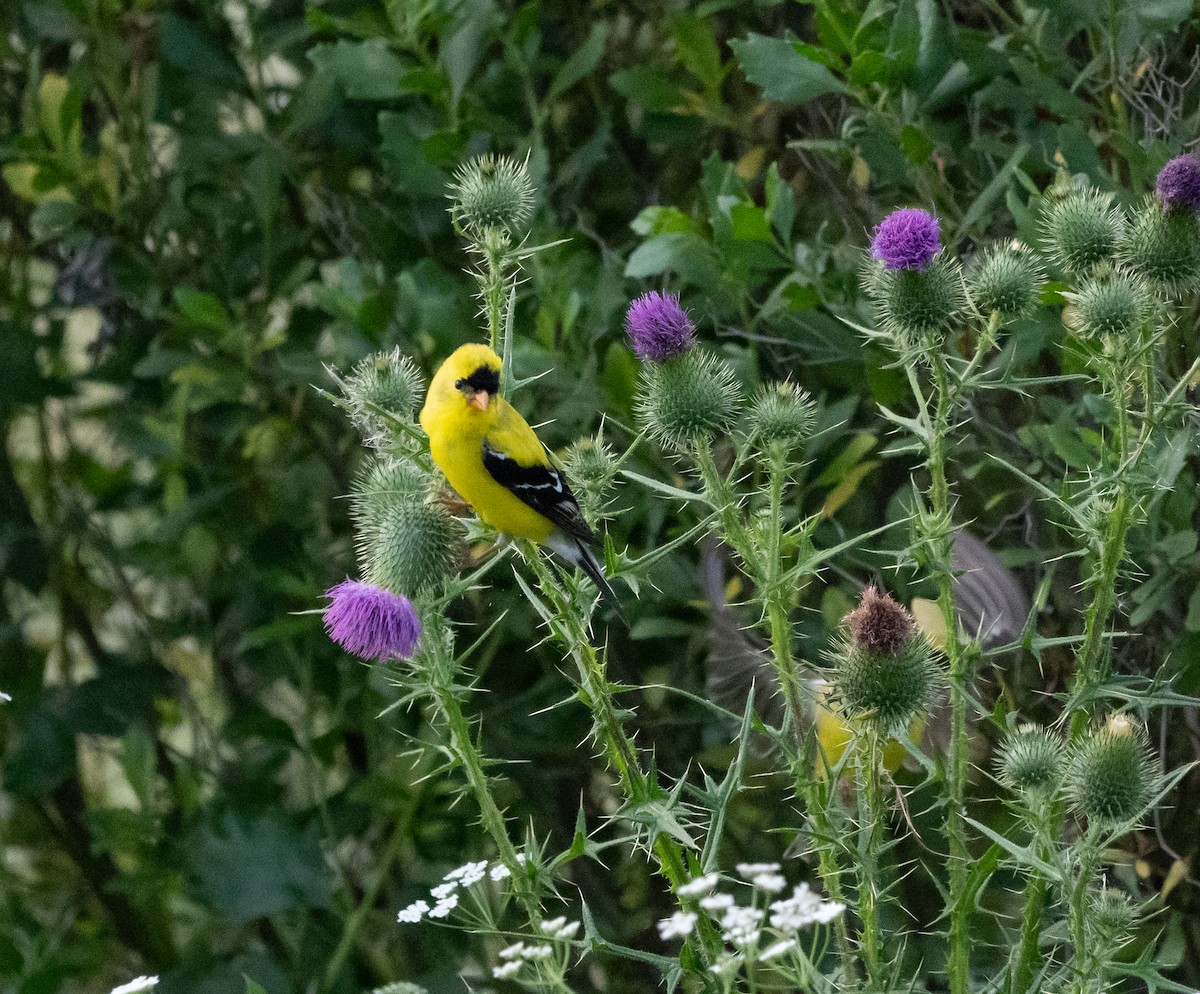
(463, 385)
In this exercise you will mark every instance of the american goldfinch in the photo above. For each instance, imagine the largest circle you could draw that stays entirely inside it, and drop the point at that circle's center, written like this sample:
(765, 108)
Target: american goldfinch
(498, 465)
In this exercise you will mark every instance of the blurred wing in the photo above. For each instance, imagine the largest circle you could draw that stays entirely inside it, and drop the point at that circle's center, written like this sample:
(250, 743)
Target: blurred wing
(541, 487)
(990, 601)
(738, 659)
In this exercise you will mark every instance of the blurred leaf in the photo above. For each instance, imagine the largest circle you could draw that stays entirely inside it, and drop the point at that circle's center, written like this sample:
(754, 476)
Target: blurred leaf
(582, 62)
(187, 46)
(249, 866)
(782, 71)
(365, 70)
(202, 308)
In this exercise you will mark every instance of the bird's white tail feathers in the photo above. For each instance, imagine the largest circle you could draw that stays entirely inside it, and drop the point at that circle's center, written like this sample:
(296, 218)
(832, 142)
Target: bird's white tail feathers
(577, 553)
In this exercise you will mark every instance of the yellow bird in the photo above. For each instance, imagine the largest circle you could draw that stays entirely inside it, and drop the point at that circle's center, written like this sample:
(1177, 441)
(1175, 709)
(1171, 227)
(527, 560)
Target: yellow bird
(498, 465)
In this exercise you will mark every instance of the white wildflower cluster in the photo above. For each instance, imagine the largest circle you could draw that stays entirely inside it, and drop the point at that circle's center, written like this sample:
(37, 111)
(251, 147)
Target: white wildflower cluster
(519, 953)
(802, 909)
(446, 894)
(746, 927)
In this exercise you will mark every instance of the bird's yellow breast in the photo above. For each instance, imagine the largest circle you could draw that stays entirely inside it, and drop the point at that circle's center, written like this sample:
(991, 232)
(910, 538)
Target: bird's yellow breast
(457, 433)
(461, 459)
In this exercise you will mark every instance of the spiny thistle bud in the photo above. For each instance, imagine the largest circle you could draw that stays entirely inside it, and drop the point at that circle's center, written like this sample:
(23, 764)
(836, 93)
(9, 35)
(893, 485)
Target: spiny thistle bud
(591, 468)
(1117, 304)
(1178, 183)
(370, 622)
(1164, 247)
(658, 328)
(781, 412)
(1111, 916)
(918, 304)
(906, 239)
(1112, 777)
(388, 381)
(884, 670)
(407, 540)
(879, 624)
(689, 397)
(1006, 281)
(1030, 760)
(1082, 230)
(492, 192)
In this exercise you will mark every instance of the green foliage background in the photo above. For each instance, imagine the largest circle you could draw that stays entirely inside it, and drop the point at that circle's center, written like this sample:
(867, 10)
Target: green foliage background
(204, 203)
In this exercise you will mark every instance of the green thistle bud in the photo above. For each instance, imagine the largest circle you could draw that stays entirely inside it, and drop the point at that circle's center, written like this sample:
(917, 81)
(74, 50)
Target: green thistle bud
(591, 468)
(1030, 760)
(1082, 230)
(1111, 917)
(1114, 305)
(1112, 777)
(407, 540)
(1164, 247)
(1006, 281)
(918, 304)
(688, 397)
(884, 671)
(781, 412)
(494, 193)
(388, 381)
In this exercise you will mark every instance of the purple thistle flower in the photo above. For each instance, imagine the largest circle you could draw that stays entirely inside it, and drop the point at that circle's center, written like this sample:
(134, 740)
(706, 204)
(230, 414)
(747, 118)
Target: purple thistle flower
(906, 239)
(1178, 183)
(371, 622)
(658, 327)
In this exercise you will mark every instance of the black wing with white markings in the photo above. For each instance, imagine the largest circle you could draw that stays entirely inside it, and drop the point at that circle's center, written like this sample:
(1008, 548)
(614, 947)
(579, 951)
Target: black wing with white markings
(543, 488)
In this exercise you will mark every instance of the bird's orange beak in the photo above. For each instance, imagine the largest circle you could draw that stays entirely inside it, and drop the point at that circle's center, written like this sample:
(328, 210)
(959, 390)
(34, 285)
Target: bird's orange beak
(480, 399)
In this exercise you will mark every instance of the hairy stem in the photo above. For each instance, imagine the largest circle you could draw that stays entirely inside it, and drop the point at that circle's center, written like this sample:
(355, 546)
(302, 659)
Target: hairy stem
(778, 606)
(1091, 661)
(870, 846)
(941, 541)
(1028, 955)
(462, 745)
(609, 732)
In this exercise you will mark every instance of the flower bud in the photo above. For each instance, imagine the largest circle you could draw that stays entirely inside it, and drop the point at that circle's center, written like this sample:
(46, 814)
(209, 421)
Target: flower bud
(1082, 230)
(1111, 917)
(370, 622)
(1030, 760)
(1164, 247)
(1007, 281)
(1117, 304)
(686, 398)
(1178, 183)
(906, 239)
(918, 304)
(492, 193)
(884, 670)
(591, 468)
(781, 412)
(658, 327)
(1112, 777)
(385, 380)
(407, 540)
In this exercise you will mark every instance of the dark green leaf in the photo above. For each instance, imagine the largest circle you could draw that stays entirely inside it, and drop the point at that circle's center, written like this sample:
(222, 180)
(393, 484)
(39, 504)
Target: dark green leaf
(783, 73)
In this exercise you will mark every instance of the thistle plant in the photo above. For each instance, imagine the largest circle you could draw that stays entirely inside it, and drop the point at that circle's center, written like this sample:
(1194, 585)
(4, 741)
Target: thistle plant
(849, 712)
(1125, 273)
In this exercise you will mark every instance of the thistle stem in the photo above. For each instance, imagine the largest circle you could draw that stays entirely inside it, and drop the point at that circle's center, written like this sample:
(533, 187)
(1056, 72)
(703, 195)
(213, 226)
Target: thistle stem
(1028, 955)
(778, 604)
(1091, 661)
(609, 732)
(462, 745)
(1077, 909)
(869, 848)
(941, 543)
